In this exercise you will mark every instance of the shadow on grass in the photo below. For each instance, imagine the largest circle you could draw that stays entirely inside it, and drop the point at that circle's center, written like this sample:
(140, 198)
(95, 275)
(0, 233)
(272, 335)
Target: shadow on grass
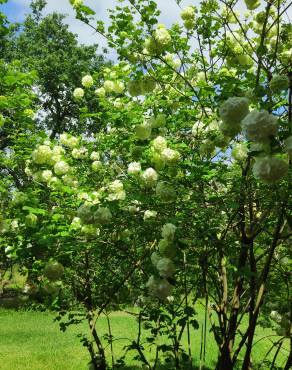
(166, 367)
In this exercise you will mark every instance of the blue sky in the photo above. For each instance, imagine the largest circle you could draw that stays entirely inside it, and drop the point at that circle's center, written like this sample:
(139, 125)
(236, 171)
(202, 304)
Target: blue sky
(170, 13)
(14, 10)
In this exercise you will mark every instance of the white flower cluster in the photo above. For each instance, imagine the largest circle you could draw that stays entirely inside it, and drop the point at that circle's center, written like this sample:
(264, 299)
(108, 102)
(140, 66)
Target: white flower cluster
(78, 93)
(149, 214)
(159, 144)
(239, 152)
(141, 87)
(134, 168)
(158, 41)
(103, 215)
(109, 86)
(158, 121)
(168, 231)
(172, 60)
(283, 321)
(170, 156)
(116, 191)
(233, 110)
(143, 131)
(162, 153)
(31, 220)
(188, 16)
(149, 176)
(279, 83)
(252, 4)
(42, 154)
(61, 168)
(69, 140)
(79, 153)
(160, 287)
(165, 191)
(260, 125)
(100, 92)
(270, 169)
(87, 81)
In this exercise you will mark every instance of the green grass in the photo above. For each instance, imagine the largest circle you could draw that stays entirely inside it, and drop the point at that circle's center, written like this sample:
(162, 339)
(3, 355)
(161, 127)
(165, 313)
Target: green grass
(32, 341)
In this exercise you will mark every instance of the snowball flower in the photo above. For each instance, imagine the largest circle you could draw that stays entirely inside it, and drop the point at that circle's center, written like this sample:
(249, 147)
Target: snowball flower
(143, 132)
(70, 141)
(135, 88)
(119, 87)
(77, 3)
(239, 152)
(78, 93)
(161, 35)
(96, 165)
(149, 176)
(148, 84)
(102, 215)
(234, 109)
(14, 224)
(95, 156)
(159, 143)
(163, 289)
(159, 287)
(252, 4)
(279, 83)
(47, 175)
(270, 169)
(57, 150)
(158, 121)
(188, 13)
(149, 214)
(165, 192)
(61, 168)
(42, 154)
(134, 168)
(168, 231)
(100, 91)
(165, 267)
(116, 189)
(259, 125)
(31, 219)
(79, 153)
(87, 81)
(76, 223)
(109, 86)
(275, 316)
(170, 156)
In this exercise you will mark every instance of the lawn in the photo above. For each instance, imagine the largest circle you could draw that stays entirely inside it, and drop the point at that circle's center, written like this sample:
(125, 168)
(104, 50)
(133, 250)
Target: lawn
(32, 341)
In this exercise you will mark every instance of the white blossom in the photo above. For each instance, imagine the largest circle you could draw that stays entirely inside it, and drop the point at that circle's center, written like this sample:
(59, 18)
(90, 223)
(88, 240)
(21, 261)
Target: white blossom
(270, 169)
(260, 125)
(78, 93)
(149, 214)
(61, 168)
(169, 155)
(234, 109)
(159, 143)
(103, 215)
(165, 267)
(47, 175)
(134, 168)
(87, 81)
(149, 176)
(168, 231)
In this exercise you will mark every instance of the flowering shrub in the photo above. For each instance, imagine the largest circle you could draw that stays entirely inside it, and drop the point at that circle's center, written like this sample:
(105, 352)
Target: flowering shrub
(154, 191)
